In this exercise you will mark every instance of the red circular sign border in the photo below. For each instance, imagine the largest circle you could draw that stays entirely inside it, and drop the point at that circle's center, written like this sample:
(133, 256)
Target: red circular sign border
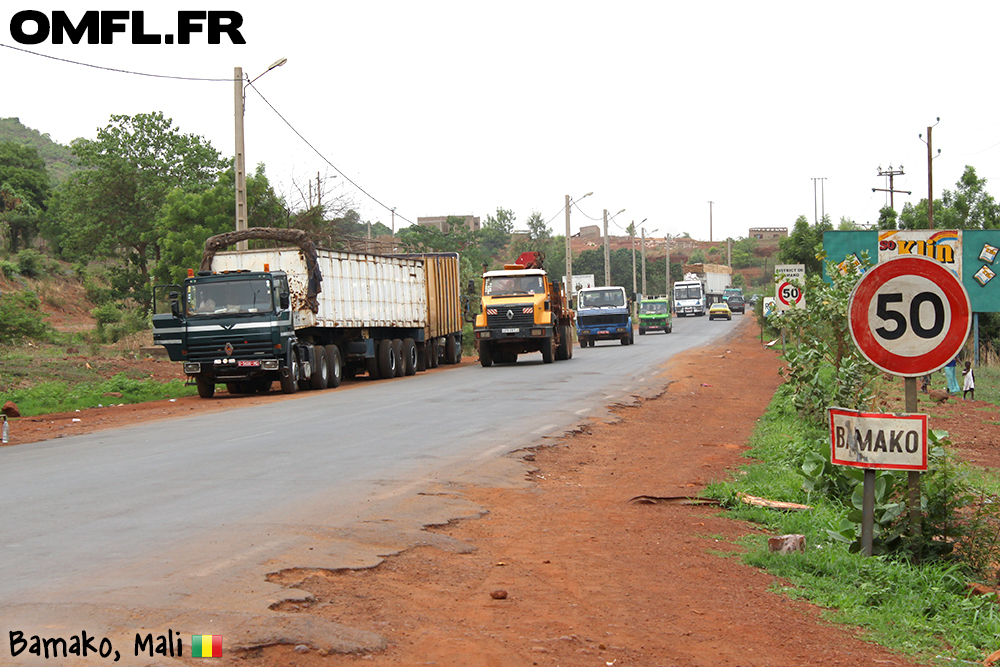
(864, 292)
(797, 301)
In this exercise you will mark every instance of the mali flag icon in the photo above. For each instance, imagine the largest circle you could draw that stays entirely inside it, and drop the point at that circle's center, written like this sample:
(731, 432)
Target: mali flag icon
(206, 646)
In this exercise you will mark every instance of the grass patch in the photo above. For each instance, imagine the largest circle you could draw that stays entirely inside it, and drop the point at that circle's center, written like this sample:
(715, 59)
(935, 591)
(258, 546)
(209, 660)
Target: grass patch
(921, 610)
(61, 396)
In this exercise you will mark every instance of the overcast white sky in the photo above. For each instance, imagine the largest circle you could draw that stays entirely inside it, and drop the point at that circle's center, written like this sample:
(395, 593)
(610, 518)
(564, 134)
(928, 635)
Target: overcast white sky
(658, 107)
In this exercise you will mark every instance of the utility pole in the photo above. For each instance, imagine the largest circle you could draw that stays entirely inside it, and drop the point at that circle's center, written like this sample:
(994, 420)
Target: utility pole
(930, 175)
(891, 173)
(607, 252)
(667, 293)
(710, 221)
(644, 262)
(239, 161)
(815, 214)
(569, 257)
(632, 234)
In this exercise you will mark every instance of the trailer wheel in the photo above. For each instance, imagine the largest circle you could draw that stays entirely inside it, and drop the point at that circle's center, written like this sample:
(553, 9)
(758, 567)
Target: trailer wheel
(334, 366)
(452, 354)
(372, 366)
(206, 388)
(432, 352)
(290, 375)
(320, 378)
(485, 353)
(397, 349)
(409, 357)
(547, 352)
(386, 359)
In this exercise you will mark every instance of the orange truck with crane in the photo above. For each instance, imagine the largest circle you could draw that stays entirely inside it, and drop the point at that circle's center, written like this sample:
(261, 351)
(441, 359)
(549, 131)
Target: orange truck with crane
(523, 311)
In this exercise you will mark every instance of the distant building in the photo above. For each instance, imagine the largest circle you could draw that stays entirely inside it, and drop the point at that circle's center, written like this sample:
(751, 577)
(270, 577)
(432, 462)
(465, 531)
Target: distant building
(590, 232)
(768, 233)
(440, 222)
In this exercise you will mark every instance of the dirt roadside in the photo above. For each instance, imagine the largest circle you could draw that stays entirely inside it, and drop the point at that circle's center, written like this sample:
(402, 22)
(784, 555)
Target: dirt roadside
(590, 578)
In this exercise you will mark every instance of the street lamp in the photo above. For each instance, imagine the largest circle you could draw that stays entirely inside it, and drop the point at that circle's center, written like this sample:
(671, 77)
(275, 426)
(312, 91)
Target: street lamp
(569, 249)
(607, 251)
(631, 233)
(644, 258)
(239, 161)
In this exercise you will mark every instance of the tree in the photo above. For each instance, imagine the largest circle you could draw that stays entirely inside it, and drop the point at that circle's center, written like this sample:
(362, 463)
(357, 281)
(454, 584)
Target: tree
(537, 229)
(887, 218)
(497, 230)
(24, 192)
(187, 219)
(847, 225)
(804, 243)
(111, 207)
(974, 208)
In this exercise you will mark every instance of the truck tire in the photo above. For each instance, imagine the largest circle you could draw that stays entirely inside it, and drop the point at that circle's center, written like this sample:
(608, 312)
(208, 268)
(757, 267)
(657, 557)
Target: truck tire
(485, 353)
(431, 353)
(452, 353)
(562, 349)
(289, 378)
(624, 340)
(642, 332)
(547, 351)
(397, 349)
(320, 378)
(386, 359)
(409, 357)
(334, 365)
(422, 358)
(206, 388)
(372, 366)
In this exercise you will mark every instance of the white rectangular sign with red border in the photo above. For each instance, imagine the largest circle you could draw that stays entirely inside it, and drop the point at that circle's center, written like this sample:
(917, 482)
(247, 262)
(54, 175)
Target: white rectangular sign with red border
(878, 440)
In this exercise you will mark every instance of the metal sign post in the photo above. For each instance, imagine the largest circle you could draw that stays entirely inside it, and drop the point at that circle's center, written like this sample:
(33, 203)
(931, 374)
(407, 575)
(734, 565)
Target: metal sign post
(909, 317)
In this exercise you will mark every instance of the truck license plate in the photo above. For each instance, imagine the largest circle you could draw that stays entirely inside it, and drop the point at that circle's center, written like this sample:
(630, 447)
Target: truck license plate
(248, 362)
(603, 333)
(510, 330)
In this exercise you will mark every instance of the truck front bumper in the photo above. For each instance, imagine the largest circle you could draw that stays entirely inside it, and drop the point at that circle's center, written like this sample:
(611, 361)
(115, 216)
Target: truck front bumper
(515, 333)
(602, 333)
(232, 369)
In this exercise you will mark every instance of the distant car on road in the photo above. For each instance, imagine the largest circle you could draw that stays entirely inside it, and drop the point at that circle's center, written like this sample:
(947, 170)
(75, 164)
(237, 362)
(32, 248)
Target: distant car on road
(720, 310)
(736, 304)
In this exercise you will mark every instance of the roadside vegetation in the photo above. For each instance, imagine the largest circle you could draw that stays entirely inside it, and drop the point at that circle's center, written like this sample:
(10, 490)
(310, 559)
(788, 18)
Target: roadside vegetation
(913, 594)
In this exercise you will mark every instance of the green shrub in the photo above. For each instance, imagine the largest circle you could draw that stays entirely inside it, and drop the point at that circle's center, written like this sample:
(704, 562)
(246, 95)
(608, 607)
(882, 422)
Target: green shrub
(30, 262)
(21, 318)
(9, 269)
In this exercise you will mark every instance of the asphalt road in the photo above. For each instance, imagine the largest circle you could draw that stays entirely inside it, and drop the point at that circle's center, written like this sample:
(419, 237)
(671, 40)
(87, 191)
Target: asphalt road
(193, 513)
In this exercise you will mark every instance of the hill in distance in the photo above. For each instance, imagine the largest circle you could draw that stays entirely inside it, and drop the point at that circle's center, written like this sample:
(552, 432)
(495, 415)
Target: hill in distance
(59, 159)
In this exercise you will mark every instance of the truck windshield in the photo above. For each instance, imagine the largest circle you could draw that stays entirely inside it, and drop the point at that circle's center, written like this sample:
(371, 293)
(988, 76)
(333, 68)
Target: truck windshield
(652, 308)
(229, 297)
(687, 292)
(505, 285)
(609, 298)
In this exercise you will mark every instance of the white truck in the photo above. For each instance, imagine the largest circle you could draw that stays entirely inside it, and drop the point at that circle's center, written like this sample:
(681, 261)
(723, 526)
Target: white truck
(703, 285)
(304, 316)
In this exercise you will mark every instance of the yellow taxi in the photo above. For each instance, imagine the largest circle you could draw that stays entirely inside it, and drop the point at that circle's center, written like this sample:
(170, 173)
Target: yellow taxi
(720, 310)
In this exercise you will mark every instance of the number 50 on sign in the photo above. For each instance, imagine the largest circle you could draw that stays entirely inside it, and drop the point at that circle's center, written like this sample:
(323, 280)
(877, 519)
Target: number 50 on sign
(909, 316)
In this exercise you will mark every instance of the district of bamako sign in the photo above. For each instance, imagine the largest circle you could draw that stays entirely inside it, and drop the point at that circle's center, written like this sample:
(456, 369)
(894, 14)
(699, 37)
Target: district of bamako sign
(878, 440)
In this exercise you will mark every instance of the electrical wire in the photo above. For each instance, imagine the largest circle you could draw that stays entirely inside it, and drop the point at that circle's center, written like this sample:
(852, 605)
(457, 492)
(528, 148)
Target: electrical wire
(324, 158)
(112, 69)
(229, 80)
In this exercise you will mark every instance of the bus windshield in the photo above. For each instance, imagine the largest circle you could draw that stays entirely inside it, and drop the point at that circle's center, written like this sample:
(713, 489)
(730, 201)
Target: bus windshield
(687, 292)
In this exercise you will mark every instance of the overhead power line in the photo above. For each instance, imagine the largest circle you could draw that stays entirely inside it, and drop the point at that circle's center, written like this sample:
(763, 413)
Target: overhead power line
(226, 80)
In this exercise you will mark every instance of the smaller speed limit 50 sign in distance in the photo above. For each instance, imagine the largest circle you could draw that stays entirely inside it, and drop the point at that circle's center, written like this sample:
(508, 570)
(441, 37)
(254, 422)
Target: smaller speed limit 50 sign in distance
(909, 316)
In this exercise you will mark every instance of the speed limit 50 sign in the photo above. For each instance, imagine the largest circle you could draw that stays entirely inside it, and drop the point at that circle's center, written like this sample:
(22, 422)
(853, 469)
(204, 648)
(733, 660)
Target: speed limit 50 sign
(909, 316)
(788, 295)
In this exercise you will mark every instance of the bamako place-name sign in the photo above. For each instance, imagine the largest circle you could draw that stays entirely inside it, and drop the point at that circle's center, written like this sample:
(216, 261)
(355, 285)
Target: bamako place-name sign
(878, 440)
